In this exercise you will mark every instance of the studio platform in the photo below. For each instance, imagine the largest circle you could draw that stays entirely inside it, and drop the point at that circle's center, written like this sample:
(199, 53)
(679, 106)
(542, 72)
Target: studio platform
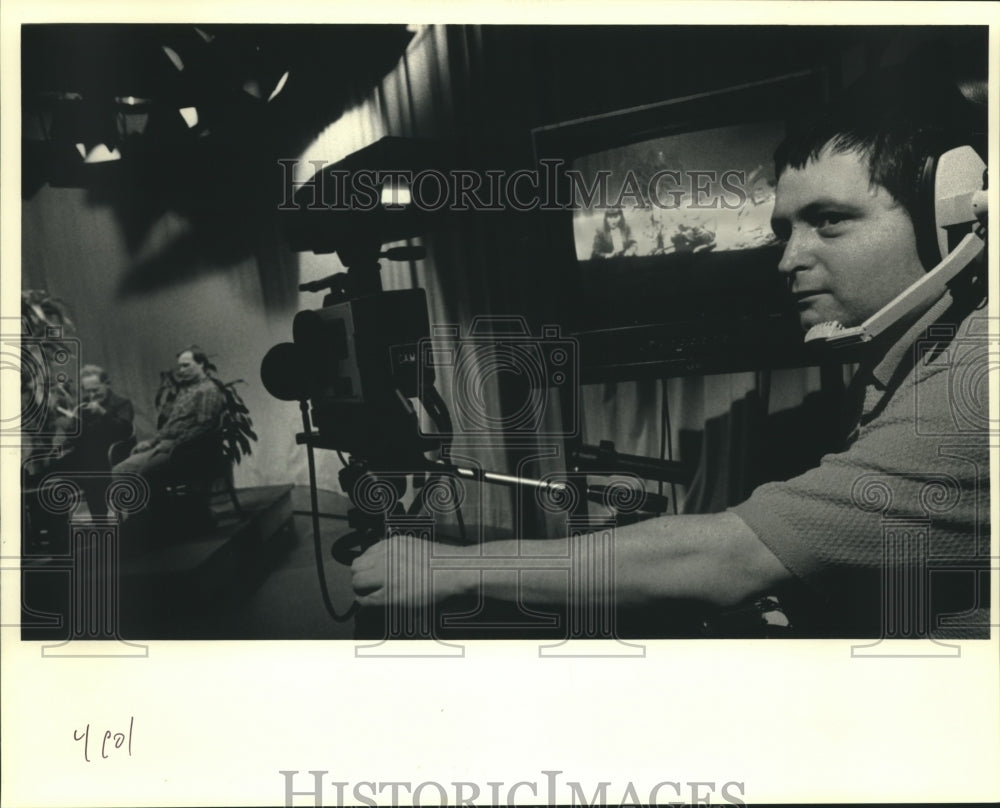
(176, 577)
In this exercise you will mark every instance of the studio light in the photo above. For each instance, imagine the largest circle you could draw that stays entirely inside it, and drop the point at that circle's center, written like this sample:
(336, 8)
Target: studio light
(132, 115)
(279, 87)
(101, 153)
(190, 116)
(396, 194)
(173, 56)
(254, 87)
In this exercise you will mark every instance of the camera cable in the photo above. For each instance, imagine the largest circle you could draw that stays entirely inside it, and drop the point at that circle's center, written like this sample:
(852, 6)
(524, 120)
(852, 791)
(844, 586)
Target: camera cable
(317, 542)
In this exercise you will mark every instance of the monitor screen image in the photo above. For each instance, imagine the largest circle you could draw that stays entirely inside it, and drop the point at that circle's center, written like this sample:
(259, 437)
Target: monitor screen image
(691, 192)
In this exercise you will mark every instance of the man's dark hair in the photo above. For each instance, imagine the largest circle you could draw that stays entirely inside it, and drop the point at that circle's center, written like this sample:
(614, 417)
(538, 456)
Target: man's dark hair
(198, 355)
(95, 370)
(895, 156)
(894, 119)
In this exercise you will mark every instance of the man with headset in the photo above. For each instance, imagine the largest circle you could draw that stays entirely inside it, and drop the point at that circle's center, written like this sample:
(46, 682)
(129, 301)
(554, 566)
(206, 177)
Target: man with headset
(909, 487)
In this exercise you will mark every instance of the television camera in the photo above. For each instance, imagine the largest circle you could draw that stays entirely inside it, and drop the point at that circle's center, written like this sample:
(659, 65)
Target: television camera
(356, 368)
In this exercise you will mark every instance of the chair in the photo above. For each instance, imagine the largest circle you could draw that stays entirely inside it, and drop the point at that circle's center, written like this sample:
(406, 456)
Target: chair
(197, 465)
(121, 449)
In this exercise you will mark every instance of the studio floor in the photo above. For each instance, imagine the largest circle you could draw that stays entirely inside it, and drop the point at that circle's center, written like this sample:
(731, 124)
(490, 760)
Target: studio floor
(253, 578)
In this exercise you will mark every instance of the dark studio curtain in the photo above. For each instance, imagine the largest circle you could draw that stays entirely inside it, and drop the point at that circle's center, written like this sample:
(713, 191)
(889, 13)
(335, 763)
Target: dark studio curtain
(431, 94)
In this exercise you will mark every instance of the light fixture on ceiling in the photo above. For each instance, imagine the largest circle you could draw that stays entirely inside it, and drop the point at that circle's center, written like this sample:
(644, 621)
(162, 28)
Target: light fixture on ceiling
(132, 115)
(190, 116)
(279, 86)
(173, 56)
(101, 153)
(254, 86)
(396, 195)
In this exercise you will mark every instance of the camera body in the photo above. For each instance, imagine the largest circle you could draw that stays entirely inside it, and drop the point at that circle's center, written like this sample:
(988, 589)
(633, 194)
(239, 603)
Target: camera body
(361, 350)
(533, 370)
(357, 363)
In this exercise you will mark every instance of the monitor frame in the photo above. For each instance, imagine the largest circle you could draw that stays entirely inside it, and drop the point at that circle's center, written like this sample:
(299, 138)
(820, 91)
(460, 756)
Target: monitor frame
(763, 335)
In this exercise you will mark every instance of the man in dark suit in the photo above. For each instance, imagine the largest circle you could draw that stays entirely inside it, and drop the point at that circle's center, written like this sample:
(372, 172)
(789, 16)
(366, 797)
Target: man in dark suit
(102, 419)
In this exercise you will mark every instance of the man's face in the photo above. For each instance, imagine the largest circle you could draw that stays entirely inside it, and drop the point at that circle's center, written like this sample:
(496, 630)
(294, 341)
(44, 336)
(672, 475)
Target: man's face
(849, 245)
(187, 368)
(93, 389)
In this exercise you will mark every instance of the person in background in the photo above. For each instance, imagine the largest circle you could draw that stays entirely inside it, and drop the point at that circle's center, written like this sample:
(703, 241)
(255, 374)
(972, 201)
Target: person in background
(102, 419)
(193, 411)
(614, 237)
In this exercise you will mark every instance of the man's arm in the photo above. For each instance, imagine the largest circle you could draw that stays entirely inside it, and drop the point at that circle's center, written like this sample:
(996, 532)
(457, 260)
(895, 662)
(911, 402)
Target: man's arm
(119, 415)
(715, 558)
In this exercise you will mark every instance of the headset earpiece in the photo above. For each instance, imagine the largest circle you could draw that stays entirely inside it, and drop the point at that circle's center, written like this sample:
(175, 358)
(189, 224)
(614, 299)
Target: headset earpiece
(925, 226)
(949, 181)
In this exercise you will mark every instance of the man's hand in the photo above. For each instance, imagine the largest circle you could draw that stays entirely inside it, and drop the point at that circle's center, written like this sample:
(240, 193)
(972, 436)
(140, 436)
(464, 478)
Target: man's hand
(93, 408)
(143, 446)
(164, 446)
(397, 571)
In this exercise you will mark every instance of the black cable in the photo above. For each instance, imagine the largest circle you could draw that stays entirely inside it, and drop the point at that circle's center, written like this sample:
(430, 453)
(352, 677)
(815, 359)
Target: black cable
(321, 515)
(764, 386)
(666, 436)
(458, 511)
(437, 409)
(663, 430)
(317, 543)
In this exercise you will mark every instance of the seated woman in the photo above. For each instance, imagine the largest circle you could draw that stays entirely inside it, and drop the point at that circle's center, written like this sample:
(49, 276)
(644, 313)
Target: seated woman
(614, 237)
